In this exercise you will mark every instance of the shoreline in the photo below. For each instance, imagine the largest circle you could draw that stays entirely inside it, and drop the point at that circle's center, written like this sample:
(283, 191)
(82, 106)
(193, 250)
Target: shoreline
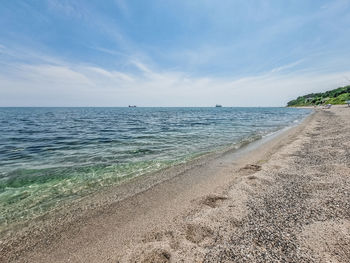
(54, 172)
(251, 142)
(150, 202)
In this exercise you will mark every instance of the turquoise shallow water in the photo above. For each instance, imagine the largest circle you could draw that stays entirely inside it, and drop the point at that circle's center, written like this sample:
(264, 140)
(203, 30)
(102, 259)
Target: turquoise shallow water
(51, 155)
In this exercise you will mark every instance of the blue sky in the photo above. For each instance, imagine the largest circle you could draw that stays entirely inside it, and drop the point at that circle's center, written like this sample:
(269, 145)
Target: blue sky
(171, 53)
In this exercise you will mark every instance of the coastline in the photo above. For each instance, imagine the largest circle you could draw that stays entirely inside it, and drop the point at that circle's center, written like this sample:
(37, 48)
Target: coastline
(41, 170)
(55, 227)
(102, 228)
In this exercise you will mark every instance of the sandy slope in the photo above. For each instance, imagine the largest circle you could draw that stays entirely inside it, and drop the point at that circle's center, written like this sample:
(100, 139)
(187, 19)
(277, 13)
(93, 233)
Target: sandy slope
(288, 200)
(295, 209)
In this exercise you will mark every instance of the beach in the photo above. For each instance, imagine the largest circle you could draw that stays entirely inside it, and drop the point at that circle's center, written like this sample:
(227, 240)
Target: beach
(282, 198)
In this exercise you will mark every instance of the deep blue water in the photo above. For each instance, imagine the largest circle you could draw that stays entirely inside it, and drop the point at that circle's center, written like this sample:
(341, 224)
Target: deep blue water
(48, 155)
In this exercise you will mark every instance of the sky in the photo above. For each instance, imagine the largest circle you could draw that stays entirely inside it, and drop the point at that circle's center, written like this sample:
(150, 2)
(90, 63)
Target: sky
(171, 52)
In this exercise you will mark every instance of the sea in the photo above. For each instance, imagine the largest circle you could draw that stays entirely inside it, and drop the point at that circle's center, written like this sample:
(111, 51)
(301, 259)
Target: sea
(50, 156)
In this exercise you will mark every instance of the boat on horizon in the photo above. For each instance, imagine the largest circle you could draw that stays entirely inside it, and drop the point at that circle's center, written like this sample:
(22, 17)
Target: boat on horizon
(132, 106)
(218, 106)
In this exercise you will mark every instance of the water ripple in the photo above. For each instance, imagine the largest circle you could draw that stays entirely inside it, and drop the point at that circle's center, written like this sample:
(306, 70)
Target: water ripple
(48, 155)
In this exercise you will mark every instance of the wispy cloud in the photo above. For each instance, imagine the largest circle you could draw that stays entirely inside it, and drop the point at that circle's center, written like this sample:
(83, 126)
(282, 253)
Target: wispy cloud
(110, 51)
(288, 66)
(68, 84)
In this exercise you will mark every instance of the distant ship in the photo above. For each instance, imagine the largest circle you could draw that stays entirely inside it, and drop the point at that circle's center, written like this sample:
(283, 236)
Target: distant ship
(218, 106)
(132, 106)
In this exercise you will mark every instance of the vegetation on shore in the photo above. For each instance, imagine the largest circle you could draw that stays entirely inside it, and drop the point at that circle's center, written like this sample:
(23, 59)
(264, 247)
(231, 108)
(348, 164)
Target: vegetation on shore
(335, 96)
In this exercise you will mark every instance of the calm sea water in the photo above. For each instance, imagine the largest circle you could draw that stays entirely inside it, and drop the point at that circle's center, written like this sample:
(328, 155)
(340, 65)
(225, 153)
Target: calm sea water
(51, 155)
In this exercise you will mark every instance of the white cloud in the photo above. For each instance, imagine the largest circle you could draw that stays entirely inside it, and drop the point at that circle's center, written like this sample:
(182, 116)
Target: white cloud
(54, 74)
(109, 51)
(80, 85)
(288, 66)
(111, 75)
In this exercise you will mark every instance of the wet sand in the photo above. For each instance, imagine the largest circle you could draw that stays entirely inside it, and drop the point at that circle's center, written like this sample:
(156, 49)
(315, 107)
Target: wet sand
(286, 200)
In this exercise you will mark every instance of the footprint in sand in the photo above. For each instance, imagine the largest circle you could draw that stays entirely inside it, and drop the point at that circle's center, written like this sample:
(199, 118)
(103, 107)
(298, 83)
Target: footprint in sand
(197, 233)
(251, 167)
(157, 255)
(157, 236)
(213, 200)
